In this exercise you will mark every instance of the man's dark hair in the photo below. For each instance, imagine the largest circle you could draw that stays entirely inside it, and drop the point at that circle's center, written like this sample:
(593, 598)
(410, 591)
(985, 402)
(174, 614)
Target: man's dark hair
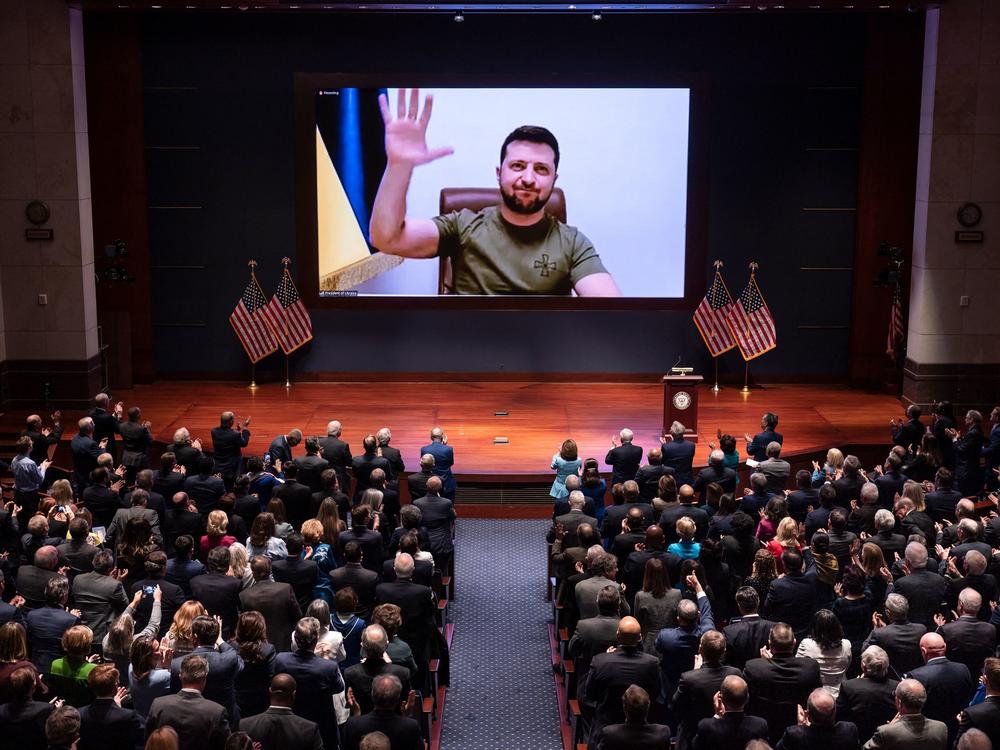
(156, 564)
(260, 566)
(803, 479)
(352, 552)
(294, 543)
(820, 542)
(139, 497)
(62, 728)
(747, 600)
(608, 601)
(792, 560)
(183, 546)
(291, 470)
(103, 562)
(218, 560)
(838, 521)
(56, 591)
(635, 702)
(205, 464)
(360, 515)
(531, 134)
(312, 445)
(79, 529)
(944, 478)
(205, 629)
(770, 419)
(827, 495)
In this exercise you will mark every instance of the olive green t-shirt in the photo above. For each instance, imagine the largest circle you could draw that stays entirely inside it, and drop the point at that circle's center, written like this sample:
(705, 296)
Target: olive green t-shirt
(489, 255)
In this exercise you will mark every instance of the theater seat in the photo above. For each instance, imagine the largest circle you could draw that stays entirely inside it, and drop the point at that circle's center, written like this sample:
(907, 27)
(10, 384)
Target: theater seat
(476, 199)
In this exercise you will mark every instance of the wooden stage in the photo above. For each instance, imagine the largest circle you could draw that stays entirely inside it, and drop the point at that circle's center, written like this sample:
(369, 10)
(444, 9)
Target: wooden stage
(540, 416)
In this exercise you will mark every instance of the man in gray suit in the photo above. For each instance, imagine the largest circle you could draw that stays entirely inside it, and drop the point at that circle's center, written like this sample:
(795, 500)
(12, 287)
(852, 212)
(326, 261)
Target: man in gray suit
(595, 634)
(910, 730)
(200, 724)
(99, 596)
(139, 498)
(571, 521)
(776, 469)
(279, 728)
(603, 571)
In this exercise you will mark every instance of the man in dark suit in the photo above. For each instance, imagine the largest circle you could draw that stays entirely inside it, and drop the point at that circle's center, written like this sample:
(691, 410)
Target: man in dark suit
(968, 640)
(312, 465)
(227, 445)
(803, 497)
(416, 604)
(22, 720)
(775, 468)
(678, 454)
(402, 731)
(756, 496)
(203, 487)
(572, 520)
(338, 453)
(219, 592)
(181, 518)
(694, 698)
(102, 496)
(976, 578)
(33, 579)
(623, 458)
(648, 476)
(890, 543)
(360, 578)
(818, 727)
(633, 533)
(900, 638)
(99, 596)
(595, 635)
(780, 682)
(848, 487)
(298, 573)
(200, 724)
(925, 590)
(77, 554)
(985, 716)
(615, 514)
(687, 506)
(106, 423)
(416, 482)
(317, 680)
(969, 474)
(911, 729)
(791, 598)
(910, 520)
(362, 466)
(910, 432)
(991, 452)
(276, 601)
(296, 496)
(85, 452)
(370, 541)
(279, 728)
(746, 635)
(732, 727)
(635, 733)
(948, 683)
(281, 447)
(868, 701)
(677, 646)
(654, 545)
(171, 595)
(890, 481)
(390, 454)
(444, 459)
(138, 510)
(224, 666)
(43, 438)
(334, 489)
(155, 501)
(716, 473)
(359, 677)
(136, 439)
(941, 502)
(862, 518)
(613, 672)
(104, 724)
(757, 445)
(168, 480)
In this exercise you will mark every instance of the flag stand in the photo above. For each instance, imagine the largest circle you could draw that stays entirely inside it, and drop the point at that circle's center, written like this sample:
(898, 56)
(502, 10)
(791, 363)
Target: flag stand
(253, 373)
(746, 379)
(288, 382)
(716, 388)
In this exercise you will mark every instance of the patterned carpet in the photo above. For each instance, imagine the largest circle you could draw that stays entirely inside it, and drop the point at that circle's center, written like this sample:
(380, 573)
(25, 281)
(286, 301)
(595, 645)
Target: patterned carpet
(501, 693)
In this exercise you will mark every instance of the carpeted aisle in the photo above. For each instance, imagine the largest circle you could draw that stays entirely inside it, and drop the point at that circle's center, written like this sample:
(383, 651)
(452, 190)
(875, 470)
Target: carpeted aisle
(501, 692)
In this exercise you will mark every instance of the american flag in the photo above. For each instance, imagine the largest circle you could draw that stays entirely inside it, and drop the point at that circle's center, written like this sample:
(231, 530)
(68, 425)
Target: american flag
(248, 322)
(895, 337)
(287, 316)
(710, 318)
(751, 322)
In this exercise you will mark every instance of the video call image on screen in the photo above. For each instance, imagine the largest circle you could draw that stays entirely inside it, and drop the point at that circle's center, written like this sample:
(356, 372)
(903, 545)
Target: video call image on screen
(620, 185)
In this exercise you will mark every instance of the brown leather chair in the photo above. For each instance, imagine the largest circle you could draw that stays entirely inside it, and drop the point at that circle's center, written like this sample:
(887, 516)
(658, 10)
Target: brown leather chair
(476, 199)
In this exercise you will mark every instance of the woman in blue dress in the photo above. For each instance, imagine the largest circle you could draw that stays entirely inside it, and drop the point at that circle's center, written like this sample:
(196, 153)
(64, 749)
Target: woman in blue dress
(594, 487)
(565, 462)
(320, 553)
(348, 624)
(262, 483)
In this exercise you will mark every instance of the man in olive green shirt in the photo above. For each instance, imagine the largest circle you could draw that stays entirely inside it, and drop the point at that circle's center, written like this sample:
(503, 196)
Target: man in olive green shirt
(513, 248)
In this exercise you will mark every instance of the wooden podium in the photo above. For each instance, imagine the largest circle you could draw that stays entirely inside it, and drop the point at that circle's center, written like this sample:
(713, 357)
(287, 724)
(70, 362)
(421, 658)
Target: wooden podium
(680, 403)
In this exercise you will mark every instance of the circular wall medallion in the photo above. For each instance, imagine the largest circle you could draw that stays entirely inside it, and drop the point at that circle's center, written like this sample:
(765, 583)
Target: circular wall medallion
(37, 212)
(682, 400)
(970, 214)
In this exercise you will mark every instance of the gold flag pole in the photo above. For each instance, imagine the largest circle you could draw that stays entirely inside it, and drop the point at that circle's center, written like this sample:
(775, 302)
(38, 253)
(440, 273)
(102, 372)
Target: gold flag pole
(252, 264)
(284, 262)
(746, 367)
(716, 388)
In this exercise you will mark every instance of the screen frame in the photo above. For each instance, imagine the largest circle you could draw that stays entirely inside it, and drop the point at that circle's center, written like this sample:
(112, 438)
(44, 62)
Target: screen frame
(696, 240)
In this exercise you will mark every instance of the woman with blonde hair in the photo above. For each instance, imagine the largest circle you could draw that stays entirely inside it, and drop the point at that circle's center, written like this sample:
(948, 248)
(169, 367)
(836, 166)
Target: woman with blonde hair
(566, 462)
(164, 738)
(179, 639)
(215, 533)
(828, 472)
(239, 564)
(67, 676)
(785, 538)
(914, 491)
(117, 644)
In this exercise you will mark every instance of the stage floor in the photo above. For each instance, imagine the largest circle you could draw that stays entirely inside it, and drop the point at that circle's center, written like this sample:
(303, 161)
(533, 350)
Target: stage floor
(540, 416)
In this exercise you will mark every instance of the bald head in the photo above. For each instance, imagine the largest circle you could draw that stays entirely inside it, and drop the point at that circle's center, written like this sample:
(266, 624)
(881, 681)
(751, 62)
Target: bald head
(734, 693)
(655, 537)
(179, 499)
(333, 428)
(932, 646)
(403, 566)
(686, 494)
(910, 697)
(283, 690)
(226, 419)
(822, 708)
(629, 631)
(434, 485)
(47, 557)
(974, 739)
(969, 602)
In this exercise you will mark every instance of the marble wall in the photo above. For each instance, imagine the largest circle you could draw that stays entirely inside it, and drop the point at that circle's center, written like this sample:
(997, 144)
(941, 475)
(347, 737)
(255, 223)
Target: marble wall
(44, 155)
(953, 350)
